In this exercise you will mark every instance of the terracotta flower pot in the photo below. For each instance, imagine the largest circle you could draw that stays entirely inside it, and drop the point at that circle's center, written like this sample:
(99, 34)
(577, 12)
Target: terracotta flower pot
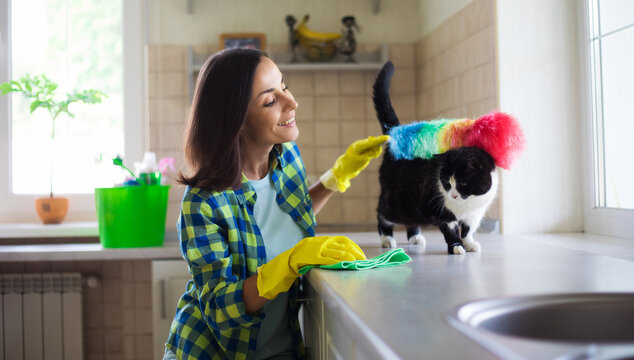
(51, 210)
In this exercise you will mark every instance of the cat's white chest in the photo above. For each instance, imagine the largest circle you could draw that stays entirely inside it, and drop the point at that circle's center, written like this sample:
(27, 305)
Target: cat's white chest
(472, 206)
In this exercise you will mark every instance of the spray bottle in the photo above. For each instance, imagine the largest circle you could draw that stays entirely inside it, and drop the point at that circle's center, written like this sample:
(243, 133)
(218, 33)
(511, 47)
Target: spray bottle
(148, 170)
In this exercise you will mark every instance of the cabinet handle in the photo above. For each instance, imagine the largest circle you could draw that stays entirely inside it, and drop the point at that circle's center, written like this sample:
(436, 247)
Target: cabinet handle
(162, 288)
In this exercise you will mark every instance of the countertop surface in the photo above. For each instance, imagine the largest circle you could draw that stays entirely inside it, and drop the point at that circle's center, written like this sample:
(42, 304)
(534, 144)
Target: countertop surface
(405, 306)
(82, 252)
(403, 309)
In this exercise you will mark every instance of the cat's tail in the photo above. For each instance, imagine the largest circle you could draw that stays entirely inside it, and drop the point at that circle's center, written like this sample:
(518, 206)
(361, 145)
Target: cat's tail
(381, 96)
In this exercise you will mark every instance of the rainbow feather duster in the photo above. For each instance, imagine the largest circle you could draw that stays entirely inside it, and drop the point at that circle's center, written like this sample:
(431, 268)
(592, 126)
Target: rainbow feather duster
(497, 133)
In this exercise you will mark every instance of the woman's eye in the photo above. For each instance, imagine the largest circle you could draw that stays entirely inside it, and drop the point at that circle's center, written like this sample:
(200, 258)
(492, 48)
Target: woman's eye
(269, 104)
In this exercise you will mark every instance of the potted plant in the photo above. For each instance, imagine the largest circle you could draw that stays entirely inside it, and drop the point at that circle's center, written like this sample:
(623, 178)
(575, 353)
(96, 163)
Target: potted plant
(41, 91)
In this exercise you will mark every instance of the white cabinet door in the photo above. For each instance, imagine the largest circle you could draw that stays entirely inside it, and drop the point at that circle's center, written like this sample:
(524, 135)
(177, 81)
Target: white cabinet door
(169, 278)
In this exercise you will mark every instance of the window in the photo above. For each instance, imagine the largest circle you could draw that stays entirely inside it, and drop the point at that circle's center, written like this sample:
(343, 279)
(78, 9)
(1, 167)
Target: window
(79, 45)
(610, 208)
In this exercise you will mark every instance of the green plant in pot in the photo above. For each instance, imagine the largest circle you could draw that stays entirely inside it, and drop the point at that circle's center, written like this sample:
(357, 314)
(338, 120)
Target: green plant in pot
(42, 93)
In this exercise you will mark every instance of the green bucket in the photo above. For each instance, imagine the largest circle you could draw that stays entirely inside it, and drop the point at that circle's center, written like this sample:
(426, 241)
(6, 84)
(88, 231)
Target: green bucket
(132, 216)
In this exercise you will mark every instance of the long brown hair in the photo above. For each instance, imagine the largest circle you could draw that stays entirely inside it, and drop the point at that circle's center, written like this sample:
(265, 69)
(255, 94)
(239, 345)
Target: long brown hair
(219, 108)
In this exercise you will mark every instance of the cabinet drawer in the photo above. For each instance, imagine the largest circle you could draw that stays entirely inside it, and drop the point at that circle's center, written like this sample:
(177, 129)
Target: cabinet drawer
(339, 343)
(313, 323)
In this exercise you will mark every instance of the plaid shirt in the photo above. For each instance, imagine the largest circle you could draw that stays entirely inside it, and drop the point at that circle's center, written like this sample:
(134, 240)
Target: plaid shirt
(223, 246)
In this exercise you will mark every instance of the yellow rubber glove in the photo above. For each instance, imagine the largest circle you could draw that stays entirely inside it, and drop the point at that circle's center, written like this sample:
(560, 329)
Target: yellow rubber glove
(350, 164)
(278, 275)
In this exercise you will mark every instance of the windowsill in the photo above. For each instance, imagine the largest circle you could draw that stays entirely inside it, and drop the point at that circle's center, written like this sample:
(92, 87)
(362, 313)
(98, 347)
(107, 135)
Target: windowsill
(38, 230)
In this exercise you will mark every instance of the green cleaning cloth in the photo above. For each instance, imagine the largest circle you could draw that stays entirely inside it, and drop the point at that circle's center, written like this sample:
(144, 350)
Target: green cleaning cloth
(388, 258)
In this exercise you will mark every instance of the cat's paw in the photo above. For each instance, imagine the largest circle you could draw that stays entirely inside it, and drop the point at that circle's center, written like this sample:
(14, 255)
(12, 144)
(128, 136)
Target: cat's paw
(388, 242)
(471, 246)
(458, 250)
(417, 239)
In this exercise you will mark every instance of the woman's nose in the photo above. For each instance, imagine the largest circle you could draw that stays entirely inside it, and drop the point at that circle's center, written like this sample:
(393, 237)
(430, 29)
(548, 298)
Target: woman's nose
(291, 104)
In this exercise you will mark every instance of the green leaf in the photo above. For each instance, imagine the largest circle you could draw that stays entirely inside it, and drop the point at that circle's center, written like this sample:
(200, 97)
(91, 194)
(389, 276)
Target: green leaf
(34, 105)
(5, 88)
(50, 87)
(42, 90)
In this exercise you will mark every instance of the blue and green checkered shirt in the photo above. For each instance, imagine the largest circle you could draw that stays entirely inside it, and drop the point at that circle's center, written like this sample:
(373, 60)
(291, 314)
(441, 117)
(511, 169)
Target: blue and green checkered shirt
(223, 246)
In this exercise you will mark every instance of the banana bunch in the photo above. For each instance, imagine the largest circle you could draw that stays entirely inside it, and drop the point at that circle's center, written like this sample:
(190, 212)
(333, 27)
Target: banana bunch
(305, 35)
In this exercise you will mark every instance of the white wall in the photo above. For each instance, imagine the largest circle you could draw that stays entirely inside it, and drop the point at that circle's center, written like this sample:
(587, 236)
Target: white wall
(538, 82)
(170, 23)
(433, 13)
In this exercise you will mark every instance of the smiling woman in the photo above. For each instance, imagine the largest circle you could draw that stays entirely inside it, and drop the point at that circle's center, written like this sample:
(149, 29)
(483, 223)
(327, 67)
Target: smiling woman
(247, 221)
(271, 115)
(78, 44)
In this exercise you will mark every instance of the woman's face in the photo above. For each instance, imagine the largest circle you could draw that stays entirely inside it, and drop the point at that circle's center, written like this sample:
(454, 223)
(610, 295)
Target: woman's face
(271, 113)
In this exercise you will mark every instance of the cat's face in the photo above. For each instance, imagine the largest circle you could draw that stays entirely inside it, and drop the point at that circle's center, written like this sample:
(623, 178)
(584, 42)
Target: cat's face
(465, 174)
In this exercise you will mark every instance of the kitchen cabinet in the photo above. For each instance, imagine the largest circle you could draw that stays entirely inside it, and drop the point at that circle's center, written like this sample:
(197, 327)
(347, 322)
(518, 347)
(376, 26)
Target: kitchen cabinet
(326, 338)
(169, 278)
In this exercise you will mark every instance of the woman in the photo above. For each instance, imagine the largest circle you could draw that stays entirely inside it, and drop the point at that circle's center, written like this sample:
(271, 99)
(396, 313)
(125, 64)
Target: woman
(242, 247)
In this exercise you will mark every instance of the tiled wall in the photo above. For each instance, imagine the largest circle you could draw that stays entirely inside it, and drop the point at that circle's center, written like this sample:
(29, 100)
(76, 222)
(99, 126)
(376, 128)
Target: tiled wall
(451, 72)
(117, 313)
(168, 111)
(456, 68)
(335, 109)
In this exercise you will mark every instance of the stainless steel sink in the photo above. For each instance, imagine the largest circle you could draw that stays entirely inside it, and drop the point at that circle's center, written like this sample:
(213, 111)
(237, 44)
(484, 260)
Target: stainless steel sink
(560, 326)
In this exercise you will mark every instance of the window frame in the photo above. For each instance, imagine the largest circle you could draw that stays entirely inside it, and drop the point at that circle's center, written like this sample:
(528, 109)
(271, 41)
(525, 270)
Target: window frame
(20, 208)
(597, 220)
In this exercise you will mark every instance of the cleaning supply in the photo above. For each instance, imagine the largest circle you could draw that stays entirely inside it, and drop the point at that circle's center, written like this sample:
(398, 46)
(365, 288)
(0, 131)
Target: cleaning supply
(148, 170)
(356, 158)
(131, 216)
(497, 133)
(278, 275)
(131, 179)
(165, 165)
(390, 258)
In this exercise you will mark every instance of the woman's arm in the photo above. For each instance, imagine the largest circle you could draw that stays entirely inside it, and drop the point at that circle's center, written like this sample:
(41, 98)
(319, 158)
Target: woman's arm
(251, 296)
(319, 195)
(217, 280)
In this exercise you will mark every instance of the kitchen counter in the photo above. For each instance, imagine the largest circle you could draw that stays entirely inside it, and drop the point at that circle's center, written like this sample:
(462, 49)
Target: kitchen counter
(83, 252)
(38, 230)
(77, 251)
(399, 312)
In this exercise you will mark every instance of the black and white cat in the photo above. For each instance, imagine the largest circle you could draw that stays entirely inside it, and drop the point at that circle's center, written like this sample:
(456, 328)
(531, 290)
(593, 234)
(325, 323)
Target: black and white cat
(452, 190)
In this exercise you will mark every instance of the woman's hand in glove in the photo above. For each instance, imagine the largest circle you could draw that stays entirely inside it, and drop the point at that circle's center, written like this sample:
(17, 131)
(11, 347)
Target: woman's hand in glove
(278, 275)
(352, 162)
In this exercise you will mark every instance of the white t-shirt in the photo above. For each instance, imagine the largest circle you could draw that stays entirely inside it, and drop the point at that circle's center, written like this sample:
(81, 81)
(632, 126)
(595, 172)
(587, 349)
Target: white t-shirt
(279, 233)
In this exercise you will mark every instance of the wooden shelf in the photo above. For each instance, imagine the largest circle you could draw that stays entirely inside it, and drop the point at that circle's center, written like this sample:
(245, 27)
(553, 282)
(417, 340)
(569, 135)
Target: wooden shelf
(369, 60)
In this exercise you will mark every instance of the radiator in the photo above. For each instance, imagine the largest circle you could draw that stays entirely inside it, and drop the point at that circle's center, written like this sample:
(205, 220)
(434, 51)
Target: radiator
(41, 316)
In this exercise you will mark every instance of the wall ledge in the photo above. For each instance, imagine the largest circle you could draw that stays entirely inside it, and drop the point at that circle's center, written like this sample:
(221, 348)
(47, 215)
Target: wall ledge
(38, 230)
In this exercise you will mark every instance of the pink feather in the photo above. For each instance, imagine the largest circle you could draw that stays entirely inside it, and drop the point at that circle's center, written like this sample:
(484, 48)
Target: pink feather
(498, 134)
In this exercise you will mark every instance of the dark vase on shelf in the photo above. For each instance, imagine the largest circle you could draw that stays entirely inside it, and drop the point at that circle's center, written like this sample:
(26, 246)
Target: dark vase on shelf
(348, 44)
